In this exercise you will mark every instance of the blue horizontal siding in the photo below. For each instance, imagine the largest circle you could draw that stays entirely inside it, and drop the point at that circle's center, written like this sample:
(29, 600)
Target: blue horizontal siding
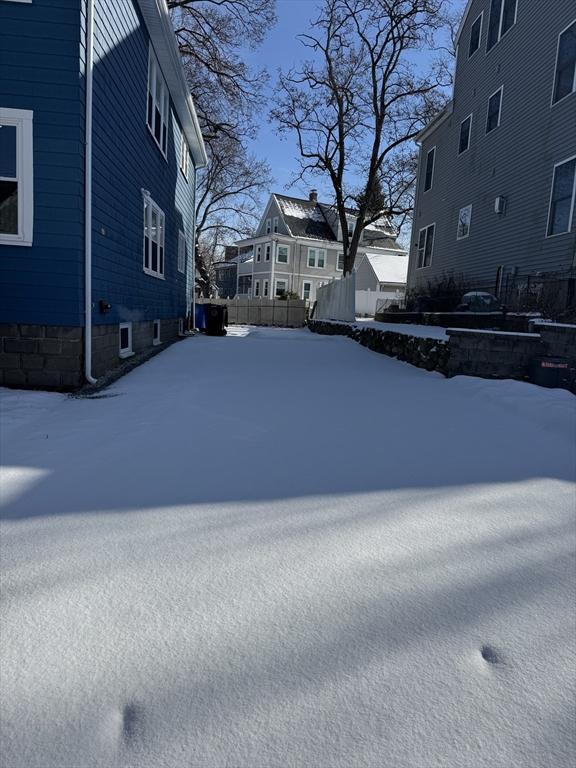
(39, 71)
(127, 159)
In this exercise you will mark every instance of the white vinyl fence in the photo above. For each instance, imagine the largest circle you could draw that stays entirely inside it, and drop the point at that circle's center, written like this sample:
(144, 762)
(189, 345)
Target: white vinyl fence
(366, 301)
(336, 300)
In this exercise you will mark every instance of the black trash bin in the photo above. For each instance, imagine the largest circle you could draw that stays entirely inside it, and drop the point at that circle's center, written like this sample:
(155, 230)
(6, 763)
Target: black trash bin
(550, 372)
(215, 319)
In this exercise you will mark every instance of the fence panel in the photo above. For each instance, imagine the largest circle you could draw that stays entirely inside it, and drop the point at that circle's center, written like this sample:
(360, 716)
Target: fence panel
(337, 300)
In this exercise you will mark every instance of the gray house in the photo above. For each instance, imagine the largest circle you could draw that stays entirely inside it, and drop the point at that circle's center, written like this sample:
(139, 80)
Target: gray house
(497, 170)
(297, 248)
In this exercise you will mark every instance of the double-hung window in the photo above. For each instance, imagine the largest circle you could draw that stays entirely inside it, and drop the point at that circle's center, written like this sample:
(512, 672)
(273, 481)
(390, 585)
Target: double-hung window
(282, 254)
(158, 104)
(340, 262)
(275, 224)
(475, 35)
(562, 197)
(257, 288)
(502, 17)
(16, 177)
(154, 225)
(425, 245)
(267, 252)
(181, 252)
(465, 128)
(306, 290)
(268, 226)
(316, 258)
(494, 108)
(565, 72)
(281, 288)
(464, 219)
(258, 253)
(265, 290)
(429, 172)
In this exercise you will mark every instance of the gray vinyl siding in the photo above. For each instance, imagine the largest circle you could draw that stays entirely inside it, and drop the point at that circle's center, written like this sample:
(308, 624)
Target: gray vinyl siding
(515, 160)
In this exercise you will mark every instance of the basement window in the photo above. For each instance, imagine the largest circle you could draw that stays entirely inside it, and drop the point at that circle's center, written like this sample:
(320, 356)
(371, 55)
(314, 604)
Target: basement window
(156, 333)
(125, 340)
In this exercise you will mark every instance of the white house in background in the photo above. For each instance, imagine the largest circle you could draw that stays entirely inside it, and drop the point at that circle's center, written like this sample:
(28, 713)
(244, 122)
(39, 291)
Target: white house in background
(379, 277)
(297, 248)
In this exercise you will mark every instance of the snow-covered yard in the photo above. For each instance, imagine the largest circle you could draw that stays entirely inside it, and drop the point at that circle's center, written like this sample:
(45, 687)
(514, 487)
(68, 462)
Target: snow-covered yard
(279, 549)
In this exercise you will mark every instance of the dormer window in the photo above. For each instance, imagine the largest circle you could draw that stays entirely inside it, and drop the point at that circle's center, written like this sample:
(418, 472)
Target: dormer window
(268, 226)
(275, 224)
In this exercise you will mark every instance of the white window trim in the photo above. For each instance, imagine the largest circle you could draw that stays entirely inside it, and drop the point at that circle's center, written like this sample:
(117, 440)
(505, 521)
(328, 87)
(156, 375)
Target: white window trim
(268, 226)
(425, 266)
(481, 17)
(157, 341)
(22, 120)
(154, 68)
(258, 253)
(458, 235)
(127, 352)
(500, 35)
(573, 91)
(339, 269)
(257, 294)
(283, 245)
(469, 134)
(148, 270)
(315, 265)
(266, 290)
(432, 149)
(501, 89)
(310, 283)
(267, 251)
(275, 224)
(571, 217)
(282, 280)
(181, 252)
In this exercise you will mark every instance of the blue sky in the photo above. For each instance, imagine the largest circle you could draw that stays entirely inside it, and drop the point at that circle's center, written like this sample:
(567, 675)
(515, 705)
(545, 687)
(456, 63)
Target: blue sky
(281, 49)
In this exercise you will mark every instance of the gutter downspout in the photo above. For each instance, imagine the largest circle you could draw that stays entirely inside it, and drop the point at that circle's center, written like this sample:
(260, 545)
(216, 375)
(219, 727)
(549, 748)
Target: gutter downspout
(88, 195)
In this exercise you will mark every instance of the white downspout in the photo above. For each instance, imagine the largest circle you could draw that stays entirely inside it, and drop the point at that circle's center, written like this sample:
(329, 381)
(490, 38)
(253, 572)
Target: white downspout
(88, 195)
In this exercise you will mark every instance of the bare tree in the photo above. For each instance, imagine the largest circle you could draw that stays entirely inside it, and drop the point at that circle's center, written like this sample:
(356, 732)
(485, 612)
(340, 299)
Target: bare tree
(357, 106)
(212, 34)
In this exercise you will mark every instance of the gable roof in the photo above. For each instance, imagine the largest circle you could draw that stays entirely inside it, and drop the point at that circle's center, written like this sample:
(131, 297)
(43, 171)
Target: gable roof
(163, 39)
(389, 267)
(304, 218)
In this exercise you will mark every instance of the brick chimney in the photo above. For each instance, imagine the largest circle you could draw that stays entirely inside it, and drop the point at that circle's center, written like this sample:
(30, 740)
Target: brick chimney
(313, 196)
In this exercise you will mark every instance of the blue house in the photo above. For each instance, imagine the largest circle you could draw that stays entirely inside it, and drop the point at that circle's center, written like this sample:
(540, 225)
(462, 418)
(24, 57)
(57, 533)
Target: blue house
(99, 149)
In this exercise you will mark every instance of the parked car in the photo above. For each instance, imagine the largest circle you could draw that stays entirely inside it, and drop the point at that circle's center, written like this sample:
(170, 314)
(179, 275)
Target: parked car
(479, 301)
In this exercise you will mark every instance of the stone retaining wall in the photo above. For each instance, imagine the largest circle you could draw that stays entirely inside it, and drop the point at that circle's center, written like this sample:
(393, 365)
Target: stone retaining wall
(487, 354)
(492, 355)
(431, 354)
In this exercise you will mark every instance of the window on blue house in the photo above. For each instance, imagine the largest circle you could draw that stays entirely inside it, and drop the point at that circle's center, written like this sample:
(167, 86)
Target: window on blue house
(181, 252)
(16, 177)
(154, 226)
(158, 104)
(184, 155)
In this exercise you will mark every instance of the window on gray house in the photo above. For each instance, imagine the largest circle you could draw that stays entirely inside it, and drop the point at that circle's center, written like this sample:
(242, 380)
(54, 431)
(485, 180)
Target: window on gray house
(465, 127)
(565, 74)
(562, 198)
(493, 117)
(425, 246)
(267, 257)
(282, 254)
(502, 17)
(340, 262)
(429, 169)
(475, 34)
